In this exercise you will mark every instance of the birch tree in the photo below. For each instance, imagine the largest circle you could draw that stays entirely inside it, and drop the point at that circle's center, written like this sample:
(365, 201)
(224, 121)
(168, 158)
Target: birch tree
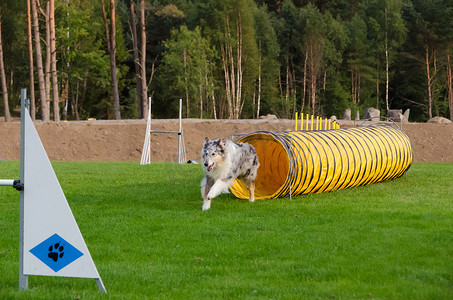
(288, 39)
(450, 85)
(187, 68)
(110, 35)
(392, 34)
(143, 85)
(140, 58)
(138, 82)
(268, 66)
(44, 100)
(3, 77)
(238, 52)
(30, 59)
(314, 34)
(53, 61)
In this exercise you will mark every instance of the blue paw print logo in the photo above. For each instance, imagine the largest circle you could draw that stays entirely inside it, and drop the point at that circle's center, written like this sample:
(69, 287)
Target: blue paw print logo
(56, 251)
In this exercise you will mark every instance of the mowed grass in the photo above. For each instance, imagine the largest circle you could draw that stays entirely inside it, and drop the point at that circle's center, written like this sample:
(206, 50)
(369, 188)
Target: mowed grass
(149, 238)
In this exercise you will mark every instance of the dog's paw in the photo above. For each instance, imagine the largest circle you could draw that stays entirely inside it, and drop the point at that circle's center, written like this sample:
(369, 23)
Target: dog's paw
(206, 205)
(252, 200)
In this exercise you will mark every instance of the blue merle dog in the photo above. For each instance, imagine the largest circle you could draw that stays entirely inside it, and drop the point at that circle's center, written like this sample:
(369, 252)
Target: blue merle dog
(223, 161)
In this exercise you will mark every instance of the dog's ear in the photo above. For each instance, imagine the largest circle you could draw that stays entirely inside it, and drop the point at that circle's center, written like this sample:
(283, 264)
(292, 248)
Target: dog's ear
(206, 140)
(222, 143)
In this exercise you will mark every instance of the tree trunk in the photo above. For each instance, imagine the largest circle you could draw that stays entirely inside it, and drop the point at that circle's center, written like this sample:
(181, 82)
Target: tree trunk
(48, 54)
(259, 85)
(144, 93)
(75, 101)
(227, 81)
(377, 86)
(116, 96)
(304, 82)
(450, 87)
(287, 81)
(111, 48)
(45, 114)
(30, 59)
(214, 110)
(232, 80)
(313, 76)
(239, 105)
(138, 80)
(429, 79)
(64, 98)
(293, 86)
(3, 78)
(200, 90)
(358, 88)
(53, 62)
(386, 65)
(186, 87)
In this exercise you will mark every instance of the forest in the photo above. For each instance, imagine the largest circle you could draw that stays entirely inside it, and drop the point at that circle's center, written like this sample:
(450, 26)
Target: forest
(226, 59)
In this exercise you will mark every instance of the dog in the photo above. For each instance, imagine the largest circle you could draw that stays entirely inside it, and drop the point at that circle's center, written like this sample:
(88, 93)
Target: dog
(223, 161)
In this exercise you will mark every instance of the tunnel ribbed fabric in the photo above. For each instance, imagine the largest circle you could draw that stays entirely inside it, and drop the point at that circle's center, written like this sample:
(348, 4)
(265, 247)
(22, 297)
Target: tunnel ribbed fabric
(319, 161)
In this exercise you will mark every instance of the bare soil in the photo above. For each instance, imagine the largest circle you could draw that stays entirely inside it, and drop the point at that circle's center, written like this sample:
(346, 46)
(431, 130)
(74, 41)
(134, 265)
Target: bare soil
(123, 140)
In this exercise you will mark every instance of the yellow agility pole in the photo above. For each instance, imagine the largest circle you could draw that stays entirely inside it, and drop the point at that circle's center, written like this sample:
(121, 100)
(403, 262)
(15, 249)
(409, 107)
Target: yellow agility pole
(306, 126)
(296, 122)
(305, 162)
(301, 121)
(317, 122)
(311, 124)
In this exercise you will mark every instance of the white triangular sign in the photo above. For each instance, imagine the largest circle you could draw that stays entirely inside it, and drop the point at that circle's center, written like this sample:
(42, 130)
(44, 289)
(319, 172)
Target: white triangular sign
(52, 242)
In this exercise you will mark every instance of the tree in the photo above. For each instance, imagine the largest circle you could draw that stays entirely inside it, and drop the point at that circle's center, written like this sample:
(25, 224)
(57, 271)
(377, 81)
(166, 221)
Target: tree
(30, 59)
(53, 61)
(268, 66)
(3, 77)
(287, 36)
(362, 72)
(314, 33)
(238, 52)
(334, 96)
(43, 95)
(187, 68)
(134, 38)
(144, 86)
(111, 49)
(428, 42)
(450, 85)
(392, 33)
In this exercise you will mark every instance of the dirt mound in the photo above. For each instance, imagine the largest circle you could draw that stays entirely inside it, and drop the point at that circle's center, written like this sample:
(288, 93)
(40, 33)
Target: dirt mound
(123, 140)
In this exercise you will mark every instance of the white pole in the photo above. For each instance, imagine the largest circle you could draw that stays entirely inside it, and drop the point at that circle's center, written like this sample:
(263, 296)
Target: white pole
(146, 152)
(7, 182)
(180, 131)
(149, 130)
(23, 279)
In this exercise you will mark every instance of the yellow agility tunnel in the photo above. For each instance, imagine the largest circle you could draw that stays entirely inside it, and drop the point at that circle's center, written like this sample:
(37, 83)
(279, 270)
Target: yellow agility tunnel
(304, 162)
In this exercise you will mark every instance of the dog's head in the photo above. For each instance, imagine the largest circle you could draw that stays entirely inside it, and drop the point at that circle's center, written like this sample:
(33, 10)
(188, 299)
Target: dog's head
(213, 153)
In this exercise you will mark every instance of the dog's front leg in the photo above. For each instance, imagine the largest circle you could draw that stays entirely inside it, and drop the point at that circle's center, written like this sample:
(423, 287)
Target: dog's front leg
(250, 185)
(206, 185)
(252, 191)
(218, 187)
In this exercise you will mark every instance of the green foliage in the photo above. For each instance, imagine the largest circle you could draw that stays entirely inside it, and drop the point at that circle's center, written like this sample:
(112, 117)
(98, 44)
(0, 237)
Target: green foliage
(268, 53)
(187, 65)
(150, 239)
(350, 38)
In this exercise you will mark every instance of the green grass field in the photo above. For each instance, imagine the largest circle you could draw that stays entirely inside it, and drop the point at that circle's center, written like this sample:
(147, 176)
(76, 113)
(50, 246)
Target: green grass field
(149, 238)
